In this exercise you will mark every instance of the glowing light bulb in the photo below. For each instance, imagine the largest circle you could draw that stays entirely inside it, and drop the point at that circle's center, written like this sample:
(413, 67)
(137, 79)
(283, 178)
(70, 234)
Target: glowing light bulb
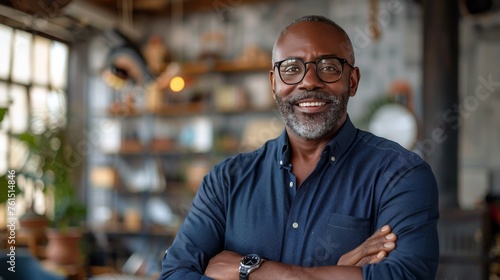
(177, 84)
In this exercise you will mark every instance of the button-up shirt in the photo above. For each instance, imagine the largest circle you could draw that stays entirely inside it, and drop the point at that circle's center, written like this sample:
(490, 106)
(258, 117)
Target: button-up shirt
(250, 203)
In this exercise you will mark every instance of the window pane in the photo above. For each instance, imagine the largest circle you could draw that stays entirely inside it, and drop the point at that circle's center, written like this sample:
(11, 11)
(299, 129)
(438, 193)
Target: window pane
(4, 97)
(18, 154)
(58, 64)
(22, 57)
(18, 110)
(56, 105)
(33, 70)
(5, 47)
(39, 110)
(41, 60)
(5, 125)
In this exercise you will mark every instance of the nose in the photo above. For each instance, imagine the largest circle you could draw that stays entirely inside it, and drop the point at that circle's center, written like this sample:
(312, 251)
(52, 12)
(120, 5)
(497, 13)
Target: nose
(311, 80)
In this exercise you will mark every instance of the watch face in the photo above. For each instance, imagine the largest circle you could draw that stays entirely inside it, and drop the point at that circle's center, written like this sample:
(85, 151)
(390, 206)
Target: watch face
(251, 260)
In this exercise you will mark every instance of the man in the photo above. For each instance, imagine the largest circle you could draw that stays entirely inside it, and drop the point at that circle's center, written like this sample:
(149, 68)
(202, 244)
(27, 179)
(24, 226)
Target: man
(304, 205)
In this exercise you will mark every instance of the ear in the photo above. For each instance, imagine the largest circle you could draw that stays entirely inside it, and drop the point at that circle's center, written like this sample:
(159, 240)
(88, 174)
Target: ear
(354, 81)
(272, 81)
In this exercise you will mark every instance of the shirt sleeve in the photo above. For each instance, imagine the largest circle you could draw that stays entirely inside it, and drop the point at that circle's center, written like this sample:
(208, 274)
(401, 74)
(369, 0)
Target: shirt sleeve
(409, 204)
(201, 236)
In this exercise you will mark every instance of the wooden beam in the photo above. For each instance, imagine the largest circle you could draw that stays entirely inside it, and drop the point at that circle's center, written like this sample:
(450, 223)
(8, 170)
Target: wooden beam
(440, 92)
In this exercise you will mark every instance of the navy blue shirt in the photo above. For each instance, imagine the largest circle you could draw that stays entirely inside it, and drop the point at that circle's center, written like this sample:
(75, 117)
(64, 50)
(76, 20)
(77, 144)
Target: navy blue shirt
(250, 203)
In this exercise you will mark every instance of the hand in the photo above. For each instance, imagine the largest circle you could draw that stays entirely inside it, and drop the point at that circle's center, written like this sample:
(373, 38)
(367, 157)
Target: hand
(224, 265)
(373, 250)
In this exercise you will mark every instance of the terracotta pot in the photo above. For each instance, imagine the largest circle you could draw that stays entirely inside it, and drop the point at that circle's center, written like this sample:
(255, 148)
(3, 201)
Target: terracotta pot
(63, 246)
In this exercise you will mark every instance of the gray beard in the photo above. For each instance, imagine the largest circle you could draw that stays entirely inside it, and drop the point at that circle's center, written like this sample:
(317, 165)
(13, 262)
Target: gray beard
(313, 126)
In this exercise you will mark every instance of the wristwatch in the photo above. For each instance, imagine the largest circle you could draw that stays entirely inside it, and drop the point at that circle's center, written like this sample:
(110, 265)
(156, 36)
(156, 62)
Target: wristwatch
(248, 264)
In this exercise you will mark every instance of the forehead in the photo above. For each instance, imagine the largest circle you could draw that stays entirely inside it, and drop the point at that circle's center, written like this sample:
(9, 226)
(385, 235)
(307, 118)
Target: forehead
(310, 40)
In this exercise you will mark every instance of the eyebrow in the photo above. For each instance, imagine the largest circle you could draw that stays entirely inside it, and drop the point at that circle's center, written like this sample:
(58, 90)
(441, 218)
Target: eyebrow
(316, 58)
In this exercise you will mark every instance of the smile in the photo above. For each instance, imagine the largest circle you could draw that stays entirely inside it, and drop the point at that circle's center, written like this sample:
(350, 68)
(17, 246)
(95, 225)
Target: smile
(311, 104)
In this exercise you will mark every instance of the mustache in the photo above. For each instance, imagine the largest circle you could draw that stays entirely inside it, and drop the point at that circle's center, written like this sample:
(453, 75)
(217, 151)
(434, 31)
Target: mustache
(292, 99)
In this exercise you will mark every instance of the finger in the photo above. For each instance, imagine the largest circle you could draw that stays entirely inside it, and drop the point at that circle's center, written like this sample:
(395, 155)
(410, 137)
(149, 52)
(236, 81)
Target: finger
(368, 250)
(379, 257)
(389, 246)
(385, 229)
(364, 261)
(391, 237)
(377, 243)
(372, 259)
(373, 246)
(382, 232)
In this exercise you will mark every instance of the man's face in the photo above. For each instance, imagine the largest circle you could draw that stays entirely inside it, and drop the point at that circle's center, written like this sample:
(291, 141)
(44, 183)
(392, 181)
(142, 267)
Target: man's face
(313, 109)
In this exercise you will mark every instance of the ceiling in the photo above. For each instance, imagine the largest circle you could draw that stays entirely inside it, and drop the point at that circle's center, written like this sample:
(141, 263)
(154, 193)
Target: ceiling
(65, 18)
(131, 7)
(164, 7)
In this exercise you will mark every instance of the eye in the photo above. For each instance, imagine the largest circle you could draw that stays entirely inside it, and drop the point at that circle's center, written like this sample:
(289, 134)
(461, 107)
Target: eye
(291, 67)
(329, 66)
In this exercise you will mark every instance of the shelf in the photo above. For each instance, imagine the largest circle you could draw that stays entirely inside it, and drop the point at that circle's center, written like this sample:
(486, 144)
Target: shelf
(181, 109)
(186, 109)
(165, 129)
(168, 148)
(198, 68)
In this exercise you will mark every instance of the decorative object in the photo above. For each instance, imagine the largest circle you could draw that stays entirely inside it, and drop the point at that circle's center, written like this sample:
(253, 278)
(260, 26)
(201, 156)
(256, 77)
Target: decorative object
(254, 55)
(230, 98)
(197, 135)
(395, 122)
(159, 212)
(63, 247)
(392, 115)
(212, 43)
(155, 52)
(103, 177)
(126, 71)
(146, 176)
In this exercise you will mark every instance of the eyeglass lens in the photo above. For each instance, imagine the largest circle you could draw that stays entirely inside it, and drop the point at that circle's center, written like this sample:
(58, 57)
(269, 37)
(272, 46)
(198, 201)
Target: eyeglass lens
(293, 70)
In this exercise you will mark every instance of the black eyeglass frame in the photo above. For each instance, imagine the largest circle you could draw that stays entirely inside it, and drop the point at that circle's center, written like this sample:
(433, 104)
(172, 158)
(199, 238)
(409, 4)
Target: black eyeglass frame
(342, 61)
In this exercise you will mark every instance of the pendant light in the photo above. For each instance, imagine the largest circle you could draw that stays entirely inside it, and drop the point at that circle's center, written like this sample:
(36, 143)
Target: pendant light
(172, 77)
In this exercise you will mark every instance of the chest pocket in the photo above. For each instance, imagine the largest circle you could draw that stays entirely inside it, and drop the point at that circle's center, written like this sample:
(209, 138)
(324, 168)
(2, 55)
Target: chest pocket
(343, 233)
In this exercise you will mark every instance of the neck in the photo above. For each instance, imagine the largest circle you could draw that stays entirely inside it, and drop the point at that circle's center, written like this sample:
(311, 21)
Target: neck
(306, 148)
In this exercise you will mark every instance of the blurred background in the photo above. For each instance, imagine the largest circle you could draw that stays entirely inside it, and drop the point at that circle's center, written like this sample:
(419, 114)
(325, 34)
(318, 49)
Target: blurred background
(111, 113)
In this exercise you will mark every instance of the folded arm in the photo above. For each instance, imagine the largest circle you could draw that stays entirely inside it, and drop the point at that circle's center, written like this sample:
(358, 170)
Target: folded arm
(224, 266)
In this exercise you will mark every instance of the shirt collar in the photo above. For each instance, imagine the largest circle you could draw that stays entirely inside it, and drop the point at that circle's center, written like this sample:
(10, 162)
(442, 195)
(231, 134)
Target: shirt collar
(337, 146)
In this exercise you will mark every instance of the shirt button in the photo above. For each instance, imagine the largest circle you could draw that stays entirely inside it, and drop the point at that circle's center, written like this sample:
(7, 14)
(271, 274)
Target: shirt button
(295, 225)
(332, 158)
(291, 184)
(281, 162)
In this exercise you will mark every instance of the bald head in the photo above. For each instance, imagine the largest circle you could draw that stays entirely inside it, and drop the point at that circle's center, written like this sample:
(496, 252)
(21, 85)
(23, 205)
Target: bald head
(346, 44)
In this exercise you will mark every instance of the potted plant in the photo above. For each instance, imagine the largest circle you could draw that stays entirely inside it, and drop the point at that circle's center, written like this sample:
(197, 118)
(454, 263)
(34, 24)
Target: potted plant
(49, 161)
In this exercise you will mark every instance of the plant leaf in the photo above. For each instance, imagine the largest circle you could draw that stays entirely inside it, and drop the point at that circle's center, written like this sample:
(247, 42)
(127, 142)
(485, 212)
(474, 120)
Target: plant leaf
(4, 181)
(3, 111)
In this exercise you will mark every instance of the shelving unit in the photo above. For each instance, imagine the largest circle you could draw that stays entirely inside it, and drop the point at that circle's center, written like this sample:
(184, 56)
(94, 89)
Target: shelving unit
(149, 162)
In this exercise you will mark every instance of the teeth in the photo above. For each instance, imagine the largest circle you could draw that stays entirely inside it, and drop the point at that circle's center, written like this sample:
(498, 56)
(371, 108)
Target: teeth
(311, 104)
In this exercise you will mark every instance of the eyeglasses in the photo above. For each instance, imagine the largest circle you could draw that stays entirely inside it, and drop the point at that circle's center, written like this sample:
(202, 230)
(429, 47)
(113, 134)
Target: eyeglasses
(328, 69)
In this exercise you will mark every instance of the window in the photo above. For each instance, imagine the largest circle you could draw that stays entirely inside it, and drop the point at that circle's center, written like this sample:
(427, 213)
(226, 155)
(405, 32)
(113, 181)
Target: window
(33, 78)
